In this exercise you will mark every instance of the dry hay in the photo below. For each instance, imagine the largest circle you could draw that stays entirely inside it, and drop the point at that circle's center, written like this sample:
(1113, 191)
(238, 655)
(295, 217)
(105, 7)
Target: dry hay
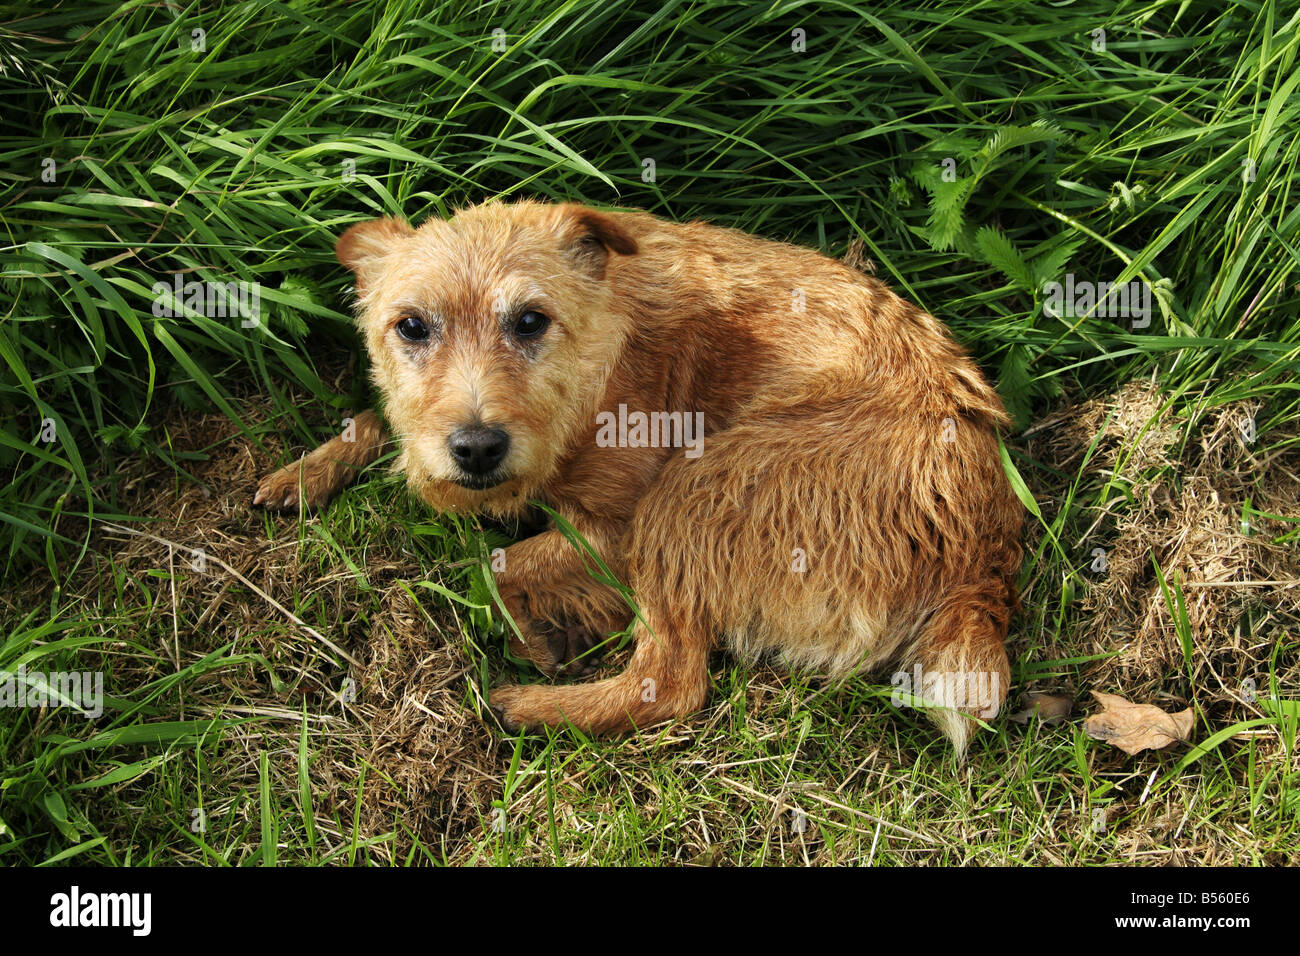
(1181, 481)
(207, 572)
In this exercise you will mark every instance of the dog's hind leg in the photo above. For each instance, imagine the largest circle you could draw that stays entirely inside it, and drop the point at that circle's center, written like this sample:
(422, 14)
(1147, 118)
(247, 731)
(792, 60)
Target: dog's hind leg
(668, 674)
(321, 474)
(667, 677)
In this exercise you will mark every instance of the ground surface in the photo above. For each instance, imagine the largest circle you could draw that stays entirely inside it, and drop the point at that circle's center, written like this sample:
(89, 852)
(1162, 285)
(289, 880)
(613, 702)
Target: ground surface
(249, 662)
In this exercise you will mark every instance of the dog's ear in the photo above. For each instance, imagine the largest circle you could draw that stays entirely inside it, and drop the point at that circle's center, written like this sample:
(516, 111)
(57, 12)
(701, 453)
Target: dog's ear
(362, 245)
(592, 236)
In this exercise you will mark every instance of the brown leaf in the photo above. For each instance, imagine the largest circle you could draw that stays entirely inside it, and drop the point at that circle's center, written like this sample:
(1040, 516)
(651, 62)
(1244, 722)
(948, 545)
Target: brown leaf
(1050, 709)
(1136, 727)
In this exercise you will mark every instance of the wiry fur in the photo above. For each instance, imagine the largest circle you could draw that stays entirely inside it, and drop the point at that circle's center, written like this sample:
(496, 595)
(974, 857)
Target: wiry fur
(849, 507)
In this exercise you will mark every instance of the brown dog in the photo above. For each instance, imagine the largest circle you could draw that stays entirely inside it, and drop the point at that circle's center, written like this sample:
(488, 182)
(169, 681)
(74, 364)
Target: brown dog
(768, 446)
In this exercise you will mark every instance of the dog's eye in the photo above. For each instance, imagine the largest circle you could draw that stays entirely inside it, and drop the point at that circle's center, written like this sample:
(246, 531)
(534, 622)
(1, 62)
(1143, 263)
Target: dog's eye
(412, 329)
(531, 324)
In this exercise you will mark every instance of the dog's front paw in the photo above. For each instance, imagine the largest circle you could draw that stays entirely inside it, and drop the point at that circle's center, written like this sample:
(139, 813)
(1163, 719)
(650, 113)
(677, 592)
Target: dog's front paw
(557, 650)
(303, 481)
(510, 705)
(573, 651)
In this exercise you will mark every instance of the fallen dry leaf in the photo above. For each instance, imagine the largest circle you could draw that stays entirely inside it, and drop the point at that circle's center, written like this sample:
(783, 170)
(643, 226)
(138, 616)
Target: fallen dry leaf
(1136, 727)
(1050, 708)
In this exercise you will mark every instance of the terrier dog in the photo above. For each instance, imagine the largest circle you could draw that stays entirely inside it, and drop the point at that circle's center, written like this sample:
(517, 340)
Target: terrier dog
(771, 448)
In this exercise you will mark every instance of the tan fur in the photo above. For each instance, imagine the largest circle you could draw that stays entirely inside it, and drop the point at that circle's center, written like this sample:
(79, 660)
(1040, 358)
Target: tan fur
(318, 476)
(848, 508)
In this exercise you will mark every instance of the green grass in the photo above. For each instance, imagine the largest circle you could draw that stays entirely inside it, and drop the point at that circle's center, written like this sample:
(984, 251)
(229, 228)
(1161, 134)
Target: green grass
(230, 163)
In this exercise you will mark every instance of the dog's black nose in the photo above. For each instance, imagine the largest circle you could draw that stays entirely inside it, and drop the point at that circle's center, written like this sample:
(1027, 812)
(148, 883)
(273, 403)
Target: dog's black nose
(478, 449)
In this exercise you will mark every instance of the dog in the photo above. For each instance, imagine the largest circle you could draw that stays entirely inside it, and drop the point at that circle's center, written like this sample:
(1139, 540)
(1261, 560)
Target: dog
(772, 449)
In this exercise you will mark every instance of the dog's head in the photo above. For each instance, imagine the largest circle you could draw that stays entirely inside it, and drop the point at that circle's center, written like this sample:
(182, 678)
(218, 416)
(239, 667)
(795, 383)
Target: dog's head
(491, 336)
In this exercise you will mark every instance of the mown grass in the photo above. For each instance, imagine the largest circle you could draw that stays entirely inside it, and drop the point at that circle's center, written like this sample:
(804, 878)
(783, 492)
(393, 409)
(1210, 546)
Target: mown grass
(1167, 154)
